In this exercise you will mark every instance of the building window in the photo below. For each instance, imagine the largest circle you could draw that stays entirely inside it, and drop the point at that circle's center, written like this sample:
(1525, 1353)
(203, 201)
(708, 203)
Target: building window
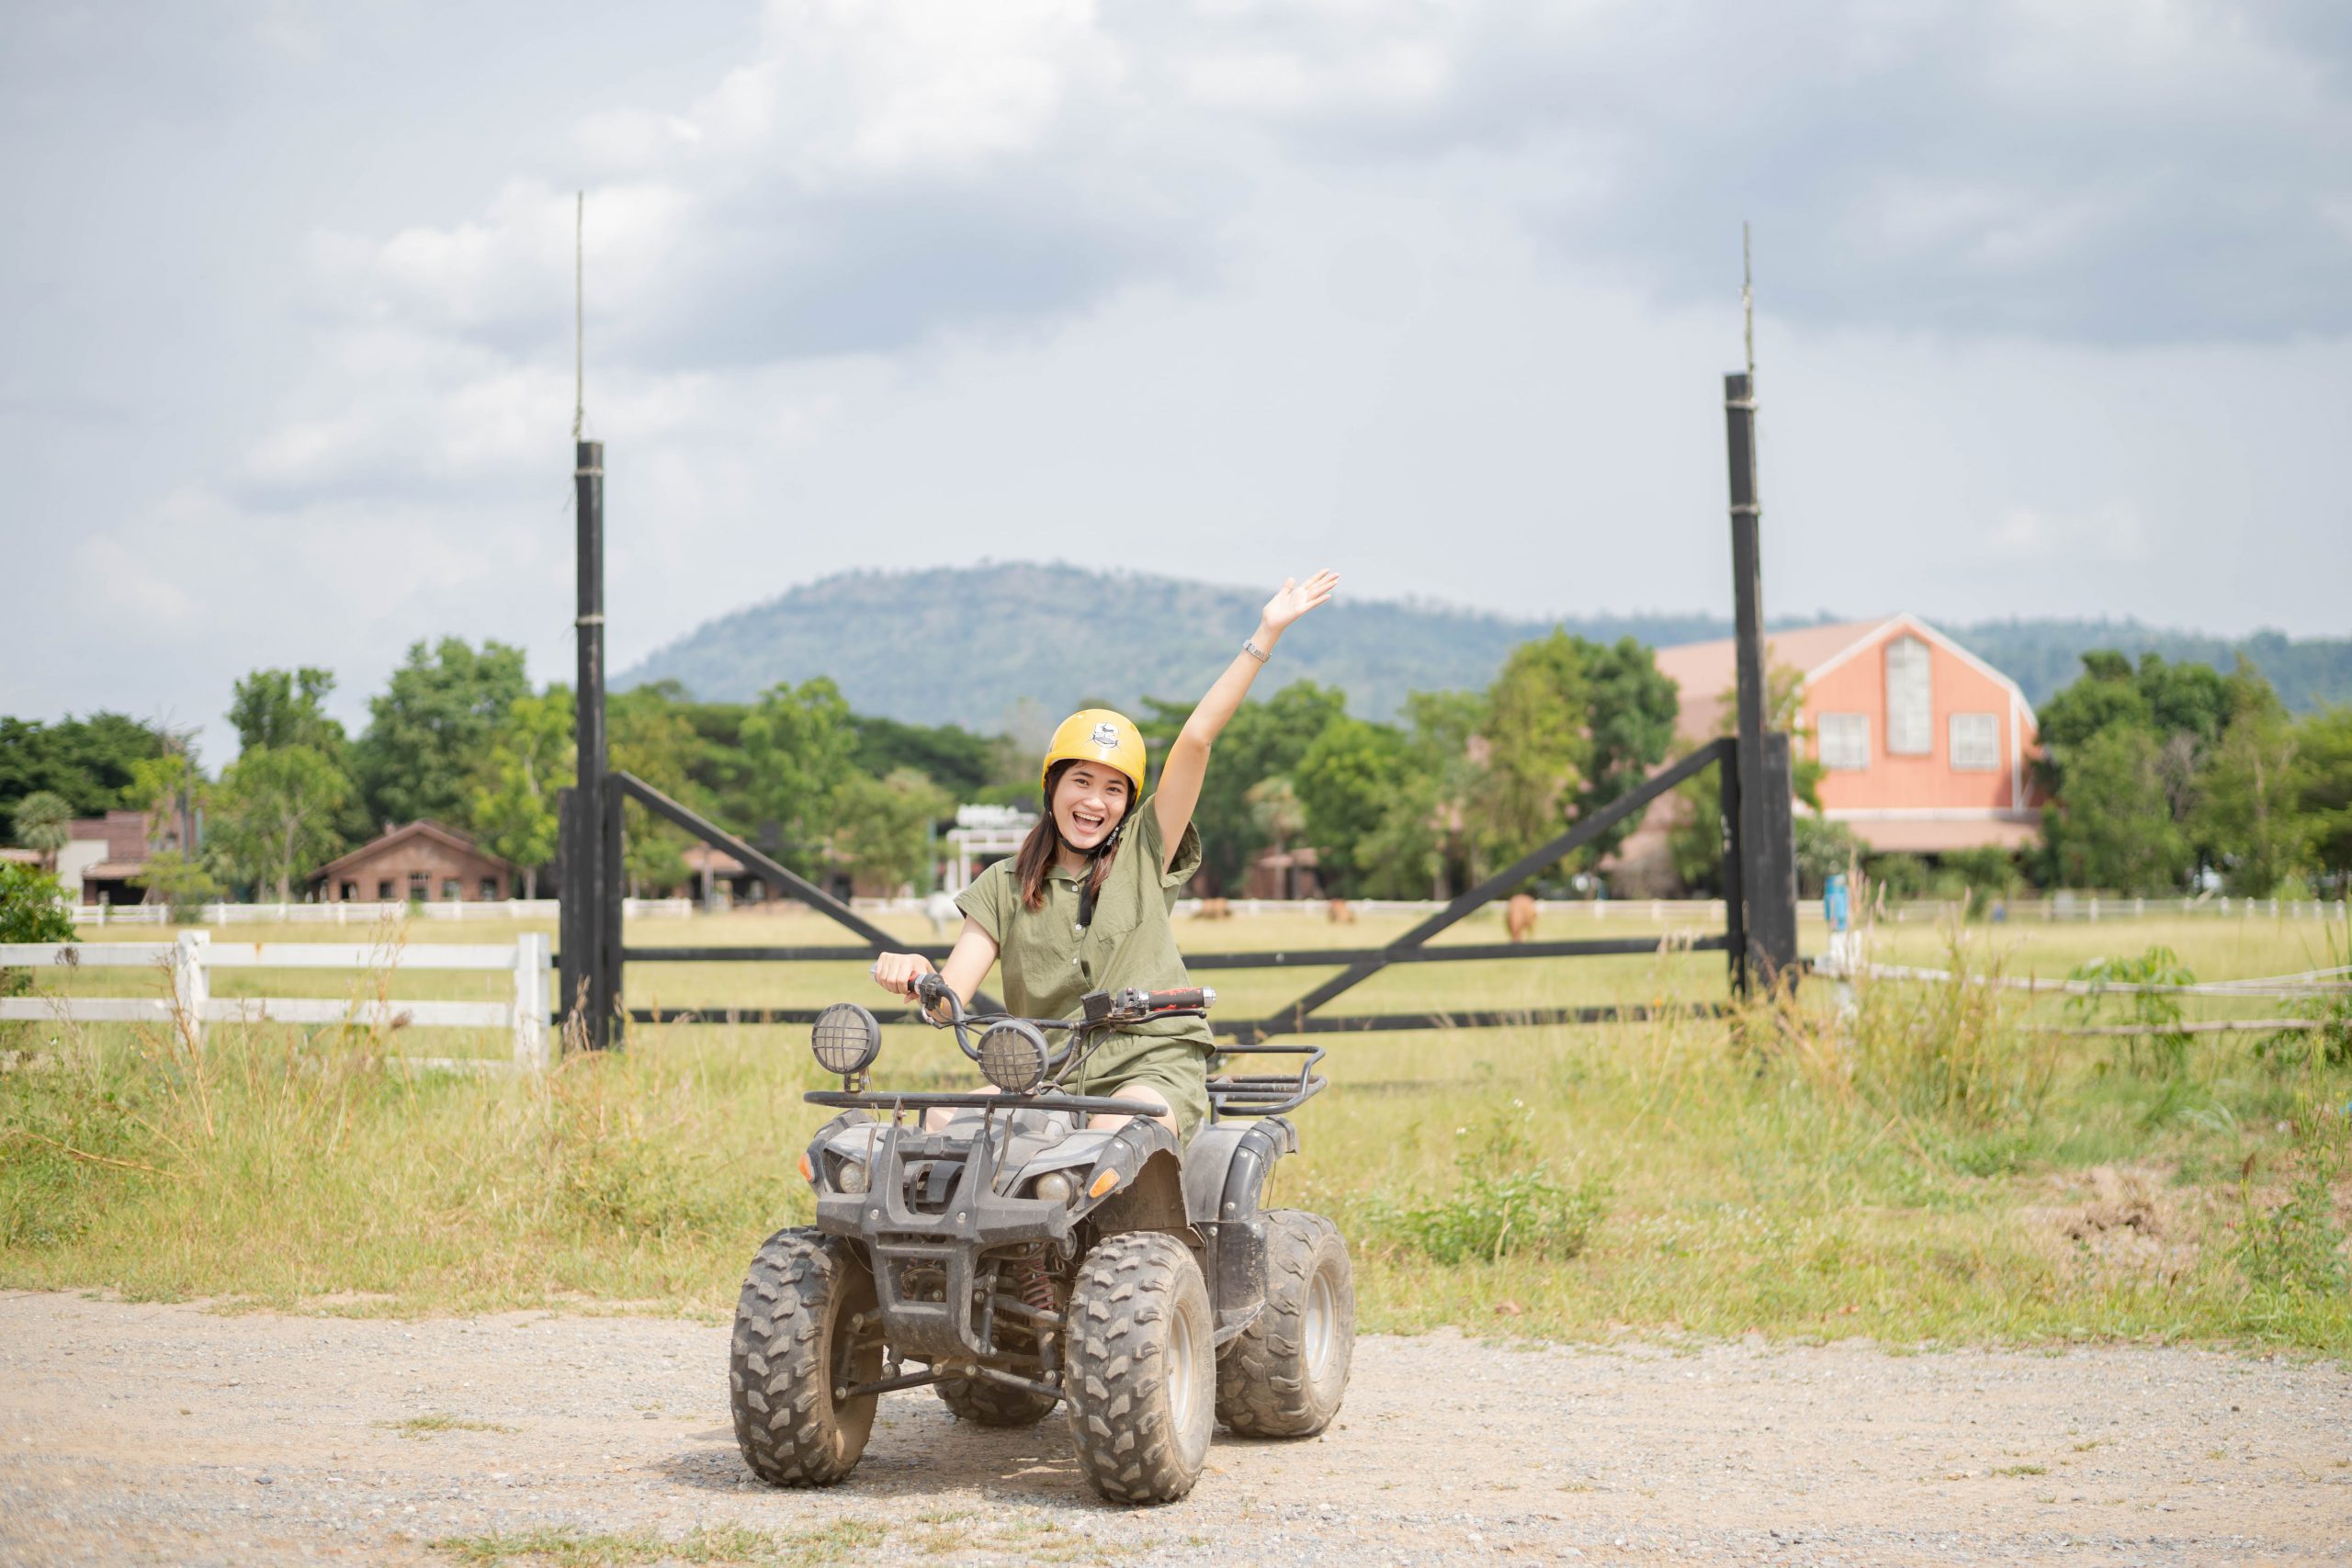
(348, 892)
(489, 889)
(1910, 700)
(384, 890)
(1845, 741)
(1975, 742)
(420, 886)
(449, 894)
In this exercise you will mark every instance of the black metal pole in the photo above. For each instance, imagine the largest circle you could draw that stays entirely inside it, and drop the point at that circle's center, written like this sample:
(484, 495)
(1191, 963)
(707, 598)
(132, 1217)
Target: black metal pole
(1768, 859)
(1734, 854)
(590, 882)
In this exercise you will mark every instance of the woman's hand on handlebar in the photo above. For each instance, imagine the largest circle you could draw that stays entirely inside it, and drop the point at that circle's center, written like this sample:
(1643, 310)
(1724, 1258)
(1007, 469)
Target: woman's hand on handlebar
(897, 971)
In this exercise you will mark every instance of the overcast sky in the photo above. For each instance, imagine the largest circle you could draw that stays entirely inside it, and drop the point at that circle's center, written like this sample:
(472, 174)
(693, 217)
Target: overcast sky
(2054, 312)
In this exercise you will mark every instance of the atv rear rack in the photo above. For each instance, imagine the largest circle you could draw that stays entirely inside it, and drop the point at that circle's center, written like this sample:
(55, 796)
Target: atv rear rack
(1265, 1094)
(1082, 1104)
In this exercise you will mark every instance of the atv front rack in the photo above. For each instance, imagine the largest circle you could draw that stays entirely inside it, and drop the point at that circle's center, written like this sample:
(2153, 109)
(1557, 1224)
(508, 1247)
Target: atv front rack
(1079, 1104)
(1265, 1094)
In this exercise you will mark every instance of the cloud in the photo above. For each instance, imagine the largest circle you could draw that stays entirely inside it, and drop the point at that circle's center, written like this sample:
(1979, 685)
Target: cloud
(2108, 171)
(2110, 534)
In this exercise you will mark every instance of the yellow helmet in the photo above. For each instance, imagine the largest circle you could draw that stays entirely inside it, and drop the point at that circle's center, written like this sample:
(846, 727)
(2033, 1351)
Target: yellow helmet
(1096, 735)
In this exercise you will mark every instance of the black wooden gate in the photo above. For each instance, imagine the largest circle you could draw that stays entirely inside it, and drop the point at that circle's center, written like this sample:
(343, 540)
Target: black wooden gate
(1759, 937)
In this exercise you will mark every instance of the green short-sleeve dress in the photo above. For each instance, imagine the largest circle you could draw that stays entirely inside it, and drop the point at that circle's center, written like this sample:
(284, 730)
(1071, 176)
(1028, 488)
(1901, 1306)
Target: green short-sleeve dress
(1047, 961)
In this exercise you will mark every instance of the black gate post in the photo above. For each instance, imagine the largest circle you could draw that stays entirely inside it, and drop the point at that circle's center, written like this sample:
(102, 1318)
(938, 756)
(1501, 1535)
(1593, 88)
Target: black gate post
(1767, 871)
(590, 873)
(1734, 855)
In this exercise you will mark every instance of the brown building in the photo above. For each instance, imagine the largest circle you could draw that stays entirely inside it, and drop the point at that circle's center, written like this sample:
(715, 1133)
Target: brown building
(104, 857)
(418, 862)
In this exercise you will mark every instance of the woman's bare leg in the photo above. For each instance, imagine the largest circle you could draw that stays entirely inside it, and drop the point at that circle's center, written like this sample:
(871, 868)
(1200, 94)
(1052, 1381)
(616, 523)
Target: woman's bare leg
(1109, 1120)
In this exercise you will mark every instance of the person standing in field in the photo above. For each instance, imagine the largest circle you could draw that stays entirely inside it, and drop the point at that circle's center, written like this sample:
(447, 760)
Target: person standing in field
(1083, 906)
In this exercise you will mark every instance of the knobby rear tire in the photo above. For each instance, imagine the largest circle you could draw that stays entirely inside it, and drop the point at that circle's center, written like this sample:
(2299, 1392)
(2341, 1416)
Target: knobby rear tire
(1285, 1374)
(1141, 1370)
(792, 1350)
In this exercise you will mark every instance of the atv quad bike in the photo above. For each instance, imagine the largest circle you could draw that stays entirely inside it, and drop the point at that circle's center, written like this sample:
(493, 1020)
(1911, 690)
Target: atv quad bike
(1015, 1259)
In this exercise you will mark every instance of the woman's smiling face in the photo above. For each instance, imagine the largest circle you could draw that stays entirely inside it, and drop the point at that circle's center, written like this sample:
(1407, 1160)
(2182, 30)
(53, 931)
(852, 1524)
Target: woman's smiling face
(1090, 800)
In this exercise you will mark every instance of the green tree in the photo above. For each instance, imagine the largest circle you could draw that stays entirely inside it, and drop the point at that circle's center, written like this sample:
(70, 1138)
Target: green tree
(176, 878)
(274, 813)
(32, 908)
(652, 738)
(2113, 827)
(800, 743)
(1537, 748)
(41, 819)
(1633, 708)
(882, 827)
(1694, 840)
(433, 725)
(276, 708)
(949, 755)
(2323, 753)
(1423, 847)
(1263, 740)
(1824, 850)
(1346, 785)
(87, 760)
(286, 707)
(513, 806)
(2249, 813)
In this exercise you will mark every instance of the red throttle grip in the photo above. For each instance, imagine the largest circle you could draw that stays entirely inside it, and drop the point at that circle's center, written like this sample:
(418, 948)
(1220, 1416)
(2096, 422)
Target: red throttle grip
(1189, 996)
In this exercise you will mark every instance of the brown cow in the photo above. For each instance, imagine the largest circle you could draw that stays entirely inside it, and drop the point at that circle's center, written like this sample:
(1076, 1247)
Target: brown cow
(1340, 912)
(1520, 915)
(1214, 910)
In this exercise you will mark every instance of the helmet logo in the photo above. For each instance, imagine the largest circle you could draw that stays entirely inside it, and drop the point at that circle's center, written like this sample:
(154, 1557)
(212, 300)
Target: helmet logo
(1106, 734)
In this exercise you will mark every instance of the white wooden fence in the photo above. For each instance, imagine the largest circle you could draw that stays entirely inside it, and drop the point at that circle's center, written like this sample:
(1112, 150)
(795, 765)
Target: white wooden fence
(362, 915)
(189, 1004)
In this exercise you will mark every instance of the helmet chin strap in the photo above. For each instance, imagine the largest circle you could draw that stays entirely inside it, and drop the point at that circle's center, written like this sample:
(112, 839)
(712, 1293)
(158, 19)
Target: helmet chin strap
(1086, 885)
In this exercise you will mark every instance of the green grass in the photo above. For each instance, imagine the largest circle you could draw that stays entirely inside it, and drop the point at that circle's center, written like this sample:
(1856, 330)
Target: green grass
(426, 1426)
(1936, 1167)
(640, 1548)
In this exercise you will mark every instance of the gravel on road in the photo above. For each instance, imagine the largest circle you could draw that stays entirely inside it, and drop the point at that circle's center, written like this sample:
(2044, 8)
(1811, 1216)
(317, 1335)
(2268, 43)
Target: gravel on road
(171, 1434)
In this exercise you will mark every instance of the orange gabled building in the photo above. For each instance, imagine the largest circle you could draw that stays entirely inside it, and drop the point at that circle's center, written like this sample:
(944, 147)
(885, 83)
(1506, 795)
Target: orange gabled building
(1924, 746)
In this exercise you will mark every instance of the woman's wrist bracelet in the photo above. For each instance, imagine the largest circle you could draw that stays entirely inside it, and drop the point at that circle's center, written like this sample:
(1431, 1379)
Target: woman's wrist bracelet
(1251, 648)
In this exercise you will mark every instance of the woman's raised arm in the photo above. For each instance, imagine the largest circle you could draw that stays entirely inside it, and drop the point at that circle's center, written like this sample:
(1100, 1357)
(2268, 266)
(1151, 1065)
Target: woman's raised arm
(1188, 759)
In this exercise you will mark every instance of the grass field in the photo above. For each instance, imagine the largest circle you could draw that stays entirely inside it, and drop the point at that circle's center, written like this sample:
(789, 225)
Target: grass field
(1930, 1164)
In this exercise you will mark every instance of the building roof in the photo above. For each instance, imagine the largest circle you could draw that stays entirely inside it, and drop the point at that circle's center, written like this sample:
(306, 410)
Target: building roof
(708, 857)
(395, 834)
(1707, 671)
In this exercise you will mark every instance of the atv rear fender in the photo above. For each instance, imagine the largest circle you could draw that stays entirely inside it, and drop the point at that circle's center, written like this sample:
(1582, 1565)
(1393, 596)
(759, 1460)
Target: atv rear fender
(1225, 1171)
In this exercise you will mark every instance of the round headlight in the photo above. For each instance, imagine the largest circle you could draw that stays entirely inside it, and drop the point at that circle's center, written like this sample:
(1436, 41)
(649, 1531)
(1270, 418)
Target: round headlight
(1012, 1057)
(1056, 1186)
(850, 1177)
(847, 1039)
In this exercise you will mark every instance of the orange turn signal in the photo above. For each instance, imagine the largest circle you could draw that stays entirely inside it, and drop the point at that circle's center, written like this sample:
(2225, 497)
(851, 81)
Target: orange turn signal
(1101, 1184)
(808, 1171)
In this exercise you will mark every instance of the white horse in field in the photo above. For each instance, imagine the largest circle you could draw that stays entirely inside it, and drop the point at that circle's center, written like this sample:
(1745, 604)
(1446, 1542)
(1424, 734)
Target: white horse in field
(941, 907)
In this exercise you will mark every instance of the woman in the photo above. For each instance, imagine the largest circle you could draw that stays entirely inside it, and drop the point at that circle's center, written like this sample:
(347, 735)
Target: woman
(1084, 907)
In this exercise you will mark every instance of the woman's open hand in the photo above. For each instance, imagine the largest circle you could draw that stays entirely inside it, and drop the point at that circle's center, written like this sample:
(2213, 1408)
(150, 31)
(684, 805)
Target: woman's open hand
(1295, 598)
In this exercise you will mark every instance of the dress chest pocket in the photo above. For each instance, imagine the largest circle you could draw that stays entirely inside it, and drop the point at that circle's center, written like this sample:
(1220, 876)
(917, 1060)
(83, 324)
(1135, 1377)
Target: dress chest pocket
(1115, 918)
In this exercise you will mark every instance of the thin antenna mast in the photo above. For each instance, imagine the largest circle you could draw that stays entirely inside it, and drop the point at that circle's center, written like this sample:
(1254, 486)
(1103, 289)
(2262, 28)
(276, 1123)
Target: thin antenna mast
(1748, 303)
(579, 316)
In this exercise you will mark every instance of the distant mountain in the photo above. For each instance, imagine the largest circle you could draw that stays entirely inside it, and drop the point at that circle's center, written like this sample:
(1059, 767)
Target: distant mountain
(998, 647)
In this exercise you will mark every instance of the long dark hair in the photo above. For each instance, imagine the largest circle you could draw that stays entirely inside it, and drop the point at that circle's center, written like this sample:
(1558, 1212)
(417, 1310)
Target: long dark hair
(1034, 863)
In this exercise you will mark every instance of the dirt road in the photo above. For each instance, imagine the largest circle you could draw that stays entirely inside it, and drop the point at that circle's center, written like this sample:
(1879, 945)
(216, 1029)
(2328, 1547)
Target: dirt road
(170, 1435)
